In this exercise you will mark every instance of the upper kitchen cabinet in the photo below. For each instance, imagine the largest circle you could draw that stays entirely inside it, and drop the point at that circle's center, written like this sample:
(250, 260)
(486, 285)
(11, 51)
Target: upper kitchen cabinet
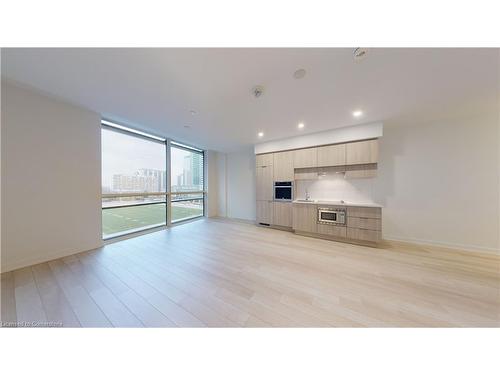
(363, 152)
(305, 158)
(263, 160)
(331, 156)
(283, 166)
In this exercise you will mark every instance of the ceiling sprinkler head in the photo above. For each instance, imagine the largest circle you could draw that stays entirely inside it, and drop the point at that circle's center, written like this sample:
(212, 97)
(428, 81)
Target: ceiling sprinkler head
(257, 91)
(299, 74)
(360, 53)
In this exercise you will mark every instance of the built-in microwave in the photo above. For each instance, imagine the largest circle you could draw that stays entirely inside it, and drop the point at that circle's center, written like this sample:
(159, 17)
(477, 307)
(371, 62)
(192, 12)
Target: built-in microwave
(283, 191)
(331, 215)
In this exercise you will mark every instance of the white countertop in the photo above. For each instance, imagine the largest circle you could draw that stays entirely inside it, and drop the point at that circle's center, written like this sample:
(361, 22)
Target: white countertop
(338, 203)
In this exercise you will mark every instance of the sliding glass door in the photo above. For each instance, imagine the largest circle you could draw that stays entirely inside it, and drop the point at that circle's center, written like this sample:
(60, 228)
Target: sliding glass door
(135, 190)
(187, 182)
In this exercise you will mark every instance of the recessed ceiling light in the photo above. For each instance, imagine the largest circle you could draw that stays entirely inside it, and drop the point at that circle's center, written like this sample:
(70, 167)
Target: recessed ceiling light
(357, 113)
(193, 112)
(298, 74)
(260, 134)
(300, 125)
(360, 53)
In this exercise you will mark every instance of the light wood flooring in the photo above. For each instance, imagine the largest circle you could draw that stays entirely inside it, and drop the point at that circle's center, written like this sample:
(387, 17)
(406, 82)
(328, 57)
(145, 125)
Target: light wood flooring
(219, 273)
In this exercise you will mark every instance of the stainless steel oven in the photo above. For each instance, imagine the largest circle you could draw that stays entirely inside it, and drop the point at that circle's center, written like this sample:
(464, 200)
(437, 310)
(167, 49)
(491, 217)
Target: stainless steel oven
(283, 191)
(331, 215)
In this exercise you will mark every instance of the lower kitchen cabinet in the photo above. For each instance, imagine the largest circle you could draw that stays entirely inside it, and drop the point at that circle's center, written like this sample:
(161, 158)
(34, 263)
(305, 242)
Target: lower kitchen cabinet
(364, 234)
(264, 212)
(305, 217)
(332, 230)
(282, 214)
(364, 223)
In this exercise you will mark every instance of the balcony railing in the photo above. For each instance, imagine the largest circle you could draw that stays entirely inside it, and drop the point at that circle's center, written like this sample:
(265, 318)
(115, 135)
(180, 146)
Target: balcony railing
(124, 213)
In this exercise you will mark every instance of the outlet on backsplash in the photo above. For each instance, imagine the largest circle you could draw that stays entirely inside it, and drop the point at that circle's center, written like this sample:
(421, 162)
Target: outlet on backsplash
(336, 187)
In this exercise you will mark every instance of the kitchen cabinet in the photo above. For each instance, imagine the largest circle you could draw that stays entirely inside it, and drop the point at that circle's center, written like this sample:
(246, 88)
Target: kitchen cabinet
(365, 212)
(364, 234)
(361, 171)
(264, 179)
(331, 156)
(283, 166)
(282, 214)
(332, 230)
(264, 212)
(305, 217)
(306, 174)
(305, 158)
(264, 160)
(363, 152)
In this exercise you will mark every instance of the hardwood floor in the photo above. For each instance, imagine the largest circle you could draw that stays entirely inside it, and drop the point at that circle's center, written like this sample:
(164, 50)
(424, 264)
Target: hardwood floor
(219, 273)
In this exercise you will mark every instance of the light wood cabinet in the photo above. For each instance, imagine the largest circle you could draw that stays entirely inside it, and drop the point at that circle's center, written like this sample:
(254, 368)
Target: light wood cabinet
(264, 212)
(364, 223)
(264, 160)
(361, 171)
(363, 152)
(366, 212)
(305, 217)
(306, 174)
(283, 166)
(264, 179)
(332, 230)
(305, 158)
(331, 156)
(364, 234)
(282, 214)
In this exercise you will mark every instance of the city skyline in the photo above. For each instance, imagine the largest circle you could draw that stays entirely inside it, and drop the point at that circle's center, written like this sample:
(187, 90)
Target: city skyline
(147, 156)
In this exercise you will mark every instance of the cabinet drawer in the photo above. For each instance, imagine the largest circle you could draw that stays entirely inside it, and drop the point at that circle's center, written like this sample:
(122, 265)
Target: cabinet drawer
(332, 230)
(364, 234)
(364, 223)
(368, 212)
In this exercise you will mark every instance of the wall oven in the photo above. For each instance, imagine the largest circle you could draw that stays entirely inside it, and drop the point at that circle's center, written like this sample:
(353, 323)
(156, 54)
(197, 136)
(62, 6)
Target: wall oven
(283, 191)
(331, 215)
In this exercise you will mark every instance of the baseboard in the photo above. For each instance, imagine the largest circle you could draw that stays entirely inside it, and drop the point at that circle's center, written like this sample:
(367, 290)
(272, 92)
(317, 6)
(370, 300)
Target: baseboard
(225, 218)
(42, 259)
(447, 245)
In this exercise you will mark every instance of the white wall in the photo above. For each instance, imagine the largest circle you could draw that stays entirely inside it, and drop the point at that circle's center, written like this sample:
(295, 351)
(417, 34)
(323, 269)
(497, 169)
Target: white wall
(221, 184)
(240, 184)
(51, 182)
(212, 183)
(438, 179)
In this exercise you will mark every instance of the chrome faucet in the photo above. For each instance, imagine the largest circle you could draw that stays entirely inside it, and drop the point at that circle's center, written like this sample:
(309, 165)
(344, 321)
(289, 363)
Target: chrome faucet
(307, 195)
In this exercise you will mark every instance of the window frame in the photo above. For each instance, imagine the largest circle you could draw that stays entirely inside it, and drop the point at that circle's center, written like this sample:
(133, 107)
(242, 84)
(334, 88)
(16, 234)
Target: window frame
(168, 143)
(202, 192)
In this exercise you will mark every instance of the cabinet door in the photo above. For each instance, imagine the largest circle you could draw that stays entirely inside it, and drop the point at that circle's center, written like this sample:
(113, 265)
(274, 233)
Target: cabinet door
(263, 160)
(331, 156)
(264, 188)
(264, 212)
(305, 158)
(282, 214)
(283, 166)
(363, 152)
(305, 217)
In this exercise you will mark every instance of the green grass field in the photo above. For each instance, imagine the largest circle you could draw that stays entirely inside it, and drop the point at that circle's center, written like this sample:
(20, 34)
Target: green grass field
(122, 219)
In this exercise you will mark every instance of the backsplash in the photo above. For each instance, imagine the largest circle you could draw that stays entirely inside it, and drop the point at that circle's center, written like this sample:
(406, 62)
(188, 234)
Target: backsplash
(335, 187)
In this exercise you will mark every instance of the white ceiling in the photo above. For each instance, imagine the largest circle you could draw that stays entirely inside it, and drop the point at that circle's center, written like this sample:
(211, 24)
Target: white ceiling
(154, 89)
